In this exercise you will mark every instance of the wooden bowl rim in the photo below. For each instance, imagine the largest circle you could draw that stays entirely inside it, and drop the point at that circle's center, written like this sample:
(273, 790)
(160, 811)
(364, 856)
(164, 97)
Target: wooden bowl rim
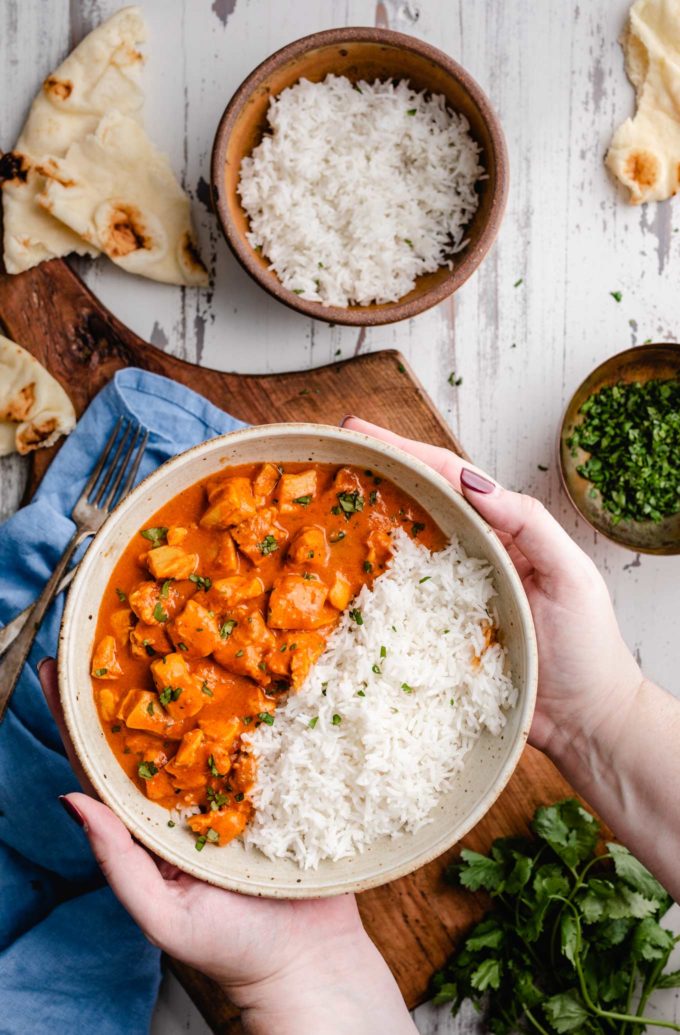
(600, 375)
(394, 311)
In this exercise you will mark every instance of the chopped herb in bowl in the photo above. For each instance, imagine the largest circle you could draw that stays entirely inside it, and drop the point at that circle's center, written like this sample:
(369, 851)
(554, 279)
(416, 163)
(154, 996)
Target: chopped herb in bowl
(632, 433)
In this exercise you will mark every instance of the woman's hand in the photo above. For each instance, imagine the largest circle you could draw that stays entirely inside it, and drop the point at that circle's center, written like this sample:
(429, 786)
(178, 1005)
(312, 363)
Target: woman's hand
(297, 967)
(585, 669)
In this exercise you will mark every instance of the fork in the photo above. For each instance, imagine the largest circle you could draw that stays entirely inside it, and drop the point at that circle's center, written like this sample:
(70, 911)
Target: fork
(122, 453)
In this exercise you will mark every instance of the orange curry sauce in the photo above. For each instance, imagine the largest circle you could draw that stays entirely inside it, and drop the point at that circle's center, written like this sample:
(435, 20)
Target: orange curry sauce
(221, 606)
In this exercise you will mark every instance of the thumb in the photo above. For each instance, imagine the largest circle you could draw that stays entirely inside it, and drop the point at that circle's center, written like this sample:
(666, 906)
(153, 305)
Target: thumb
(535, 532)
(133, 875)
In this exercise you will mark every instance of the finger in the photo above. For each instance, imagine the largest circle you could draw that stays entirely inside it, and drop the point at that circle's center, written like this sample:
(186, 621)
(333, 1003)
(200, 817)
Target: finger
(133, 875)
(47, 674)
(539, 537)
(441, 460)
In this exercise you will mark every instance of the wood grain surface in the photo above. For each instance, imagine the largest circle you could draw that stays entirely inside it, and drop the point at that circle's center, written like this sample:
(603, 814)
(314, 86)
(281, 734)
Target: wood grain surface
(415, 921)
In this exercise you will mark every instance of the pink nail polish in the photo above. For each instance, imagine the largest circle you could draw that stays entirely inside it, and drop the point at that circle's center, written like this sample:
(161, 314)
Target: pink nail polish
(476, 482)
(70, 810)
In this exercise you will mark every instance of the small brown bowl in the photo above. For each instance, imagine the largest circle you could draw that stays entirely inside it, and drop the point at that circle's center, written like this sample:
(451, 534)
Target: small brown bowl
(359, 53)
(642, 363)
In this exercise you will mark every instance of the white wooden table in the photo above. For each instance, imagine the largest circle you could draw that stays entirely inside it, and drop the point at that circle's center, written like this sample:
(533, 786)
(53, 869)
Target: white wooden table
(554, 72)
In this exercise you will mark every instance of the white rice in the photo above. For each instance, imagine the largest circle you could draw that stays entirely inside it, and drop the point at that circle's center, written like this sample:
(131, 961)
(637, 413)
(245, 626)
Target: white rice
(329, 791)
(359, 190)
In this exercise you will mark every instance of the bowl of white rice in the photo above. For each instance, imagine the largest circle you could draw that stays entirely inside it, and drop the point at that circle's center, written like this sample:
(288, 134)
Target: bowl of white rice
(407, 728)
(359, 175)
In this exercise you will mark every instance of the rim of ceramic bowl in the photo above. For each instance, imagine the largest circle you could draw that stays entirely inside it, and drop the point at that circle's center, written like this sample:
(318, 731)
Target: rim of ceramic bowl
(358, 315)
(129, 814)
(616, 361)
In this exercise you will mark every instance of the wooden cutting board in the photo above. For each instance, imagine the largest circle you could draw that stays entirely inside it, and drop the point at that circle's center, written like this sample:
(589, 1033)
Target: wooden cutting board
(417, 920)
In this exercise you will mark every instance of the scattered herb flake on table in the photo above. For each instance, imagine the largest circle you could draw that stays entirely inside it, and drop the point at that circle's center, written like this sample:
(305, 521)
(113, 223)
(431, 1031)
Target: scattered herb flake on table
(632, 433)
(574, 942)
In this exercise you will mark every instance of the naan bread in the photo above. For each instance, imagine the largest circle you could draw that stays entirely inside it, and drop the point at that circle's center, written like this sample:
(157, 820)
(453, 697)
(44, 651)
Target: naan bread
(34, 408)
(103, 72)
(645, 151)
(117, 192)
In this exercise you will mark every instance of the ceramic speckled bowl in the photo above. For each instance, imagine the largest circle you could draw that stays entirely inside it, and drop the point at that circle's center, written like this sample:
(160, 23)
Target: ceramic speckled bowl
(359, 53)
(488, 766)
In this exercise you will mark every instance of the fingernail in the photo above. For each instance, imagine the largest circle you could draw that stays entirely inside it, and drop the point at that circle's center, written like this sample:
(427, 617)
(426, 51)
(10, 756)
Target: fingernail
(476, 482)
(70, 809)
(348, 416)
(42, 662)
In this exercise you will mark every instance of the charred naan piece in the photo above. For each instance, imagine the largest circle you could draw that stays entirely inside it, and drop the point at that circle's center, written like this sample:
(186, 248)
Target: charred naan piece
(117, 192)
(102, 73)
(34, 408)
(645, 150)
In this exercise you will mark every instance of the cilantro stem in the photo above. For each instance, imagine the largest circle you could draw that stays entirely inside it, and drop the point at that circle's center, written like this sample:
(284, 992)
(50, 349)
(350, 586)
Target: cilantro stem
(530, 1017)
(610, 1014)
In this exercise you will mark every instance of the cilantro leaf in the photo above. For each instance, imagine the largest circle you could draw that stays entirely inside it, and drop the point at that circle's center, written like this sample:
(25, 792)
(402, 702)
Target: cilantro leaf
(651, 941)
(486, 975)
(635, 874)
(570, 831)
(478, 871)
(566, 1011)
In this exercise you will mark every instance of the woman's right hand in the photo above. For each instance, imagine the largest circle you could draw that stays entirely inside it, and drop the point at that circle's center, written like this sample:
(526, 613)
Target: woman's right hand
(586, 672)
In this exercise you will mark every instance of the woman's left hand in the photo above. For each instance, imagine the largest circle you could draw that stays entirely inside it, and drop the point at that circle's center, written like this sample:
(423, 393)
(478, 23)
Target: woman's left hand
(292, 966)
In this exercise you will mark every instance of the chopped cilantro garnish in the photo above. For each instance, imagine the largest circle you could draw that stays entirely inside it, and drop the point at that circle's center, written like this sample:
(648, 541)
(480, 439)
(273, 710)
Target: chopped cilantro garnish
(268, 545)
(350, 502)
(227, 628)
(200, 843)
(304, 501)
(154, 535)
(165, 589)
(312, 722)
(616, 295)
(356, 616)
(266, 718)
(406, 688)
(205, 689)
(100, 672)
(121, 595)
(159, 614)
(337, 719)
(417, 527)
(368, 567)
(147, 770)
(202, 581)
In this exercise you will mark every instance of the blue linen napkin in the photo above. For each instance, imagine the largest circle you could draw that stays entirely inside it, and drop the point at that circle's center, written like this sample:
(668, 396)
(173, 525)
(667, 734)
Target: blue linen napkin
(70, 956)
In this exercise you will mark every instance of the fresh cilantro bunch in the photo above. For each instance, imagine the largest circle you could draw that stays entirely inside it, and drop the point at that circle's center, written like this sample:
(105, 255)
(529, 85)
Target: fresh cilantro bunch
(574, 943)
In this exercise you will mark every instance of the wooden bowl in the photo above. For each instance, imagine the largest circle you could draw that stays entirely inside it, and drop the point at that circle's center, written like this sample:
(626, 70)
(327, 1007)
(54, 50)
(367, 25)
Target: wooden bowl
(642, 363)
(488, 766)
(359, 54)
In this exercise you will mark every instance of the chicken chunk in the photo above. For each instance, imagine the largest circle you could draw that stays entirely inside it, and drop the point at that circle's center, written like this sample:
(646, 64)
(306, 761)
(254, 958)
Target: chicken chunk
(380, 548)
(231, 501)
(147, 640)
(310, 547)
(340, 592)
(265, 483)
(294, 487)
(196, 629)
(244, 650)
(105, 664)
(225, 824)
(346, 481)
(121, 621)
(176, 535)
(145, 601)
(141, 710)
(227, 593)
(171, 562)
(185, 697)
(294, 657)
(226, 558)
(107, 703)
(297, 602)
(260, 536)
(159, 786)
